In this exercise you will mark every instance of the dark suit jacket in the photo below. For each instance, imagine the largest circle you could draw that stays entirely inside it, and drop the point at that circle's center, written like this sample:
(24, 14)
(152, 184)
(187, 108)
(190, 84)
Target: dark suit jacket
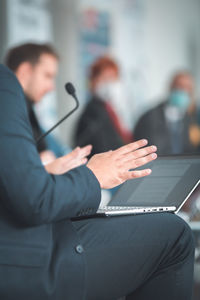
(153, 126)
(39, 254)
(96, 128)
(37, 131)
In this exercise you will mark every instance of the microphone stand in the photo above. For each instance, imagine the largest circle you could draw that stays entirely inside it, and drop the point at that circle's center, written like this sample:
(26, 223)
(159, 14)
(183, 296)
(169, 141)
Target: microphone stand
(73, 94)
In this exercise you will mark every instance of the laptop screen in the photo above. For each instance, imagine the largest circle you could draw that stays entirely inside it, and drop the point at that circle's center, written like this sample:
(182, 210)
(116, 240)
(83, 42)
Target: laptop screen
(172, 180)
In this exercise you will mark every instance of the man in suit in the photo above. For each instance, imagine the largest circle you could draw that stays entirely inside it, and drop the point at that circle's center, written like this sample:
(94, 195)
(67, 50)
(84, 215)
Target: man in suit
(35, 66)
(171, 125)
(45, 255)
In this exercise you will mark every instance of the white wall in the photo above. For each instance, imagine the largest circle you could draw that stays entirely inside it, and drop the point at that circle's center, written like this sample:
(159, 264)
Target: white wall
(65, 28)
(170, 35)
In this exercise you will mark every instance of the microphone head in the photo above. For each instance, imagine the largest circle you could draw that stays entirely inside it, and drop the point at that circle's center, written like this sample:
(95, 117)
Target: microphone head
(70, 88)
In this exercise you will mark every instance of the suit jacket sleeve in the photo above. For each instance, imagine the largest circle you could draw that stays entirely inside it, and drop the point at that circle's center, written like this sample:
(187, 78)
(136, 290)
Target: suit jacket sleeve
(26, 189)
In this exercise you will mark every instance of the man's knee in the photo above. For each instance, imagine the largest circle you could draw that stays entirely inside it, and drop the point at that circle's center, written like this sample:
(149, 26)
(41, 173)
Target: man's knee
(187, 239)
(182, 236)
(172, 231)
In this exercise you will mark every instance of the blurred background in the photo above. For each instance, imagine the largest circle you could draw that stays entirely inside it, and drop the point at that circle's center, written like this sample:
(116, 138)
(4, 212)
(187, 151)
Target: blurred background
(149, 39)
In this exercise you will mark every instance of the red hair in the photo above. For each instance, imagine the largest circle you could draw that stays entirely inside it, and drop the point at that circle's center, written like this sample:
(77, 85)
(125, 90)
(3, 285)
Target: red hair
(101, 64)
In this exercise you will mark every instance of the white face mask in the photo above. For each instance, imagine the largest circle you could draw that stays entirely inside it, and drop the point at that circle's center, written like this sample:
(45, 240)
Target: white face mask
(107, 91)
(113, 93)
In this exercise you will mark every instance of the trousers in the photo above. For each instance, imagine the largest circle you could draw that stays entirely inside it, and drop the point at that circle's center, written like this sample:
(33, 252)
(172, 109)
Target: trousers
(149, 256)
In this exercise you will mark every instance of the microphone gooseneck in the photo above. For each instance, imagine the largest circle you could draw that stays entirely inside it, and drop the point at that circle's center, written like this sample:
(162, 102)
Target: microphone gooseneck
(71, 91)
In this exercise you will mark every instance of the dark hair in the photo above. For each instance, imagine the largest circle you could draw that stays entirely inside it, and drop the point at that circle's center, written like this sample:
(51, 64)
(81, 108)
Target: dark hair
(29, 52)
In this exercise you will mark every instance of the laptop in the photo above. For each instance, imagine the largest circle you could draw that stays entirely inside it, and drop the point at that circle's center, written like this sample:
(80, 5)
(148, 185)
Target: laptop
(172, 181)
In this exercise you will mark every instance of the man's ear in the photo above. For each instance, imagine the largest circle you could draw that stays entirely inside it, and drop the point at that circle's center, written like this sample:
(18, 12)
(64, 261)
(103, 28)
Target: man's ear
(24, 72)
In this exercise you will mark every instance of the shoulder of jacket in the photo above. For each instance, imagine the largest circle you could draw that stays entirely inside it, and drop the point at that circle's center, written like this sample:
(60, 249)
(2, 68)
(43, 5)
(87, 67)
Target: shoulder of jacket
(9, 81)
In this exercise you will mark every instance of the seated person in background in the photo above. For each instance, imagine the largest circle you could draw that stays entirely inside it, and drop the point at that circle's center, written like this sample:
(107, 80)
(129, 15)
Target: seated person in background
(195, 131)
(35, 66)
(47, 255)
(170, 124)
(103, 123)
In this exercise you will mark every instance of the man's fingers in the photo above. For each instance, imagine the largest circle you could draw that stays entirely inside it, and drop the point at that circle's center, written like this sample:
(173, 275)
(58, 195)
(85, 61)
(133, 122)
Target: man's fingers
(77, 163)
(79, 153)
(72, 154)
(131, 147)
(85, 151)
(140, 161)
(137, 174)
(139, 153)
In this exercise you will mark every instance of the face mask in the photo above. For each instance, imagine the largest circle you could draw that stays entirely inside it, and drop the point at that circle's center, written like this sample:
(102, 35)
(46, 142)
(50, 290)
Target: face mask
(114, 93)
(108, 91)
(180, 99)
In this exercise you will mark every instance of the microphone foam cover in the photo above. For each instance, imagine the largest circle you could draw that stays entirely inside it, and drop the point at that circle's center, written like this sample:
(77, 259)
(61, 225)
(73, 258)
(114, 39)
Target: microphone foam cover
(70, 88)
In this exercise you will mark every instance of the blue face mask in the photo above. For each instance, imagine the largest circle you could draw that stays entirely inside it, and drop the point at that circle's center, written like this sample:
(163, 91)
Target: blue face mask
(180, 99)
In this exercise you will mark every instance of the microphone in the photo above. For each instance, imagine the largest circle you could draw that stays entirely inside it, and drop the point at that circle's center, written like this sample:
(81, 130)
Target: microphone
(71, 91)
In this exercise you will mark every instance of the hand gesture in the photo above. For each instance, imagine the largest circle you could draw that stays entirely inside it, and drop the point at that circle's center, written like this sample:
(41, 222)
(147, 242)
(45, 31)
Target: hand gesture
(115, 167)
(69, 161)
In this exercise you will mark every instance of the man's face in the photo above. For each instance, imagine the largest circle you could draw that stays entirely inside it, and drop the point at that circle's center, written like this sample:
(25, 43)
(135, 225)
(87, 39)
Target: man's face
(41, 77)
(184, 82)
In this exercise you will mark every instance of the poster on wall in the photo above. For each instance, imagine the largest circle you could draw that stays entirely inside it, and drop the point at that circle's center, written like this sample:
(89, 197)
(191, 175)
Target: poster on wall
(94, 39)
(28, 20)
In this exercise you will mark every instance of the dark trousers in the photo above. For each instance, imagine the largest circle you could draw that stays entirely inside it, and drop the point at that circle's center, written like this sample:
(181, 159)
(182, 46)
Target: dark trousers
(141, 257)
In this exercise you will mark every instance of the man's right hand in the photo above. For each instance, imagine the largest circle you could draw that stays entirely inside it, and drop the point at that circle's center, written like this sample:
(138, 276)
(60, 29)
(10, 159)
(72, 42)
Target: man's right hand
(115, 167)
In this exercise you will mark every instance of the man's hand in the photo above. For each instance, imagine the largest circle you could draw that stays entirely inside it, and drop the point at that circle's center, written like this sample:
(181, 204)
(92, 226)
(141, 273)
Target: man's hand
(113, 167)
(69, 161)
(47, 156)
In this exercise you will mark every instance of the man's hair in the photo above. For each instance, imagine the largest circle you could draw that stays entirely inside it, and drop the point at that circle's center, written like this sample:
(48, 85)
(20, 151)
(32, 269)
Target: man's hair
(178, 74)
(29, 52)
